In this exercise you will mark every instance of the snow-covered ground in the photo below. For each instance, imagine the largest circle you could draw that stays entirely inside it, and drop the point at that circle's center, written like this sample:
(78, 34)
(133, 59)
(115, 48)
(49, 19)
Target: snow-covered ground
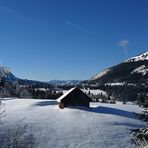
(94, 92)
(101, 126)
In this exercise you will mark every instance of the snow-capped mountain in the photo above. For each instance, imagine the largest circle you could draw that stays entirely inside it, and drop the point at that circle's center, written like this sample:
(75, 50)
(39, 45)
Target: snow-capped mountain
(141, 57)
(100, 74)
(5, 73)
(133, 70)
(64, 82)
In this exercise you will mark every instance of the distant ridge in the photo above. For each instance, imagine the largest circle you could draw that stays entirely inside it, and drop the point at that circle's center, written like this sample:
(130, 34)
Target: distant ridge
(133, 70)
(64, 82)
(6, 74)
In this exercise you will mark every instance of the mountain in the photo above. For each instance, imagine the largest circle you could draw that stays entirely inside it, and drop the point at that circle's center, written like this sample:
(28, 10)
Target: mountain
(141, 57)
(6, 74)
(64, 82)
(133, 70)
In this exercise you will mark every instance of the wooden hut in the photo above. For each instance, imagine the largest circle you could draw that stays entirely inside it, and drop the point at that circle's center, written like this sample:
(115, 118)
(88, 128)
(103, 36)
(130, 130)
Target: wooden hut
(74, 97)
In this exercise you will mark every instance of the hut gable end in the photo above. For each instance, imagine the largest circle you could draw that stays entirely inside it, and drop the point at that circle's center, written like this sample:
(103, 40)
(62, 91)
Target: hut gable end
(74, 97)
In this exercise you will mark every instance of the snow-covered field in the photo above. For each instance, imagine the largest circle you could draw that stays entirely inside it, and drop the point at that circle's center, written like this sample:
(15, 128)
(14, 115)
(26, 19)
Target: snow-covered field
(94, 92)
(101, 126)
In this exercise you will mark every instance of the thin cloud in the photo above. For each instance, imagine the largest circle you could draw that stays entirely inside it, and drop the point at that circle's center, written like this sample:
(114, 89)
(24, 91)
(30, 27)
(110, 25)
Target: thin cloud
(77, 26)
(73, 24)
(69, 22)
(124, 45)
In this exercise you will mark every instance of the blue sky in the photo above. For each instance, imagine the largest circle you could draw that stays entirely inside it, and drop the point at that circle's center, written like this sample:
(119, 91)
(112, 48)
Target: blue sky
(70, 39)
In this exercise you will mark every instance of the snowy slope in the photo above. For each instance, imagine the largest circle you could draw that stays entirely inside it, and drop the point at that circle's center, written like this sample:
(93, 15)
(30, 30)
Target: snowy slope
(100, 74)
(133, 70)
(141, 57)
(102, 126)
(143, 69)
(6, 73)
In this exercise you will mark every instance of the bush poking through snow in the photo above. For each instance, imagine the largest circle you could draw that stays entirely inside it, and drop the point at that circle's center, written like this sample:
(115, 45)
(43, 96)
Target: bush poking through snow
(18, 137)
(139, 137)
(2, 111)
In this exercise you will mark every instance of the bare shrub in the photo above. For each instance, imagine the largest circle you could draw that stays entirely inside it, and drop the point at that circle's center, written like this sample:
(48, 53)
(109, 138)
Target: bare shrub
(139, 137)
(2, 110)
(18, 137)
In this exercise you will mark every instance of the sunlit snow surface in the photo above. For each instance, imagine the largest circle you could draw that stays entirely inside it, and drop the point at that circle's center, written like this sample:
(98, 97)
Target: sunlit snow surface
(102, 73)
(101, 126)
(143, 69)
(141, 57)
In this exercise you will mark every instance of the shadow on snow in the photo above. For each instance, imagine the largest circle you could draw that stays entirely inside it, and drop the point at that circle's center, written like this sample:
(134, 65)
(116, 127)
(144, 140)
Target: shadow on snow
(108, 110)
(46, 103)
(98, 109)
(113, 111)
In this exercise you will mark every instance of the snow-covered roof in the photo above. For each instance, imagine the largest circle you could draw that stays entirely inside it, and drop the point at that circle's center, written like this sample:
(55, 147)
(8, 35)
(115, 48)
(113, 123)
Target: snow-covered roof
(64, 95)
